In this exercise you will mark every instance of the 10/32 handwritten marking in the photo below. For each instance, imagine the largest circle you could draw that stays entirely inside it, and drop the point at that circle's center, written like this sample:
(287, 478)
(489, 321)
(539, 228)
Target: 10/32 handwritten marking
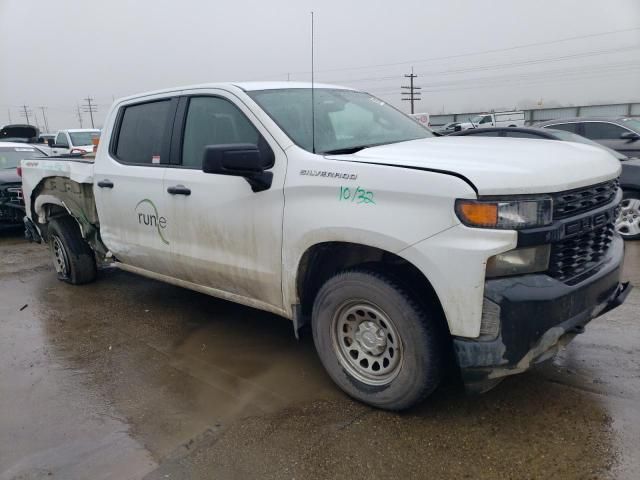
(356, 195)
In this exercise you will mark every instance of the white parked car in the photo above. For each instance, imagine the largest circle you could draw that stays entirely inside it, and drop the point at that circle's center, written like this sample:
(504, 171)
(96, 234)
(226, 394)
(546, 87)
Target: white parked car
(495, 119)
(402, 251)
(76, 140)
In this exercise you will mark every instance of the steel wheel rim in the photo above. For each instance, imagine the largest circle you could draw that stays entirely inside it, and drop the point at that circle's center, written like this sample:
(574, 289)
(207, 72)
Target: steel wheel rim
(628, 221)
(366, 342)
(60, 259)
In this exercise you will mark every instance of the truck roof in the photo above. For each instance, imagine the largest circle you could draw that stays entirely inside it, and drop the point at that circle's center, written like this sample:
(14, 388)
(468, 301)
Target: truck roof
(245, 86)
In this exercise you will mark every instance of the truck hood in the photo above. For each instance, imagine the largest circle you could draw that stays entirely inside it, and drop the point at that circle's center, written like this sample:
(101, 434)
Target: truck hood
(500, 166)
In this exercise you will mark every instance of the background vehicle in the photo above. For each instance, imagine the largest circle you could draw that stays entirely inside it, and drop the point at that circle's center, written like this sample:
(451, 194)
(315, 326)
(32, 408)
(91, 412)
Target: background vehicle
(75, 140)
(11, 202)
(628, 222)
(622, 134)
(22, 133)
(495, 119)
(400, 250)
(448, 128)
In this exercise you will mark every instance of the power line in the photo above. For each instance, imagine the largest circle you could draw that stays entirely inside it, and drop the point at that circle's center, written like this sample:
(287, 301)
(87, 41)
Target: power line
(413, 91)
(481, 52)
(501, 65)
(91, 108)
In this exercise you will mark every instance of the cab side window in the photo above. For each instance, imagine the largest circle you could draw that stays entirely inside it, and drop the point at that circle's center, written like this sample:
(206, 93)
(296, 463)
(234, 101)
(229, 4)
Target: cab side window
(141, 132)
(214, 121)
(486, 119)
(602, 131)
(61, 140)
(568, 127)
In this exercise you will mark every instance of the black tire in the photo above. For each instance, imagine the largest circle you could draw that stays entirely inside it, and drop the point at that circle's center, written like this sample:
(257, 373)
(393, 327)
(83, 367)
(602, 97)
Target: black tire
(626, 231)
(420, 345)
(73, 258)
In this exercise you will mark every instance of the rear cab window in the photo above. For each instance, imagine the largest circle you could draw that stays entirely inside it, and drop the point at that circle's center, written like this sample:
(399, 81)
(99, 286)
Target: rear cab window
(143, 132)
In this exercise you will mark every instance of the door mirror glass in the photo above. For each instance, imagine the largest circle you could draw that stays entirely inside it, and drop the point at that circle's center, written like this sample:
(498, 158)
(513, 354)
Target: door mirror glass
(50, 142)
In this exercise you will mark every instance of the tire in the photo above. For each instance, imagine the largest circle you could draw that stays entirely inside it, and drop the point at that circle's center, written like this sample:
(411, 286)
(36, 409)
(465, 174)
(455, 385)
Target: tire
(73, 258)
(367, 312)
(628, 221)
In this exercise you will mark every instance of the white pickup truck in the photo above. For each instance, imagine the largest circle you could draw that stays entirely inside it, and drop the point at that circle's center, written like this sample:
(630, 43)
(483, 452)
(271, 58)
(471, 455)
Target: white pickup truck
(494, 119)
(406, 254)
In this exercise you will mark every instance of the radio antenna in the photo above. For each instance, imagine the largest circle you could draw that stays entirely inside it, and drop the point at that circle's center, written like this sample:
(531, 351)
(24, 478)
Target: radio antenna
(313, 98)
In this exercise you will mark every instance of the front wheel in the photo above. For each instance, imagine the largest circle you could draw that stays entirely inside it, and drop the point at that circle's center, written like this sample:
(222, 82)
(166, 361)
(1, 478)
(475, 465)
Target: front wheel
(628, 221)
(376, 341)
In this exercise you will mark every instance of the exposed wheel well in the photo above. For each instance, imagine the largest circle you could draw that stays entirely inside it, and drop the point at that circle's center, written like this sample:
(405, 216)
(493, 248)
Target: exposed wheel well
(324, 260)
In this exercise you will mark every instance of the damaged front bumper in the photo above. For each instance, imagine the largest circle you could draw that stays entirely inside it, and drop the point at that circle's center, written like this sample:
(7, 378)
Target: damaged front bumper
(537, 315)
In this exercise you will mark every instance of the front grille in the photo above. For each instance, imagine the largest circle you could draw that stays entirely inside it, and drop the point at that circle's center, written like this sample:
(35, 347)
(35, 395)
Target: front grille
(573, 202)
(575, 256)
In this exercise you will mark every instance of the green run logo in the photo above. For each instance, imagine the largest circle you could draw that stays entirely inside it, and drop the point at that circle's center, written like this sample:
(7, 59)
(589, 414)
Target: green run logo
(148, 215)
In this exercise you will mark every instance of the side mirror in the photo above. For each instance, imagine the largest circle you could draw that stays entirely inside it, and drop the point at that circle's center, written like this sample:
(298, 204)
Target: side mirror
(631, 136)
(240, 160)
(50, 142)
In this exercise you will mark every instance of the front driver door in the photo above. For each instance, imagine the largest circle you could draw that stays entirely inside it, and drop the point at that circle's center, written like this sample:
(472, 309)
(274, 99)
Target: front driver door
(225, 236)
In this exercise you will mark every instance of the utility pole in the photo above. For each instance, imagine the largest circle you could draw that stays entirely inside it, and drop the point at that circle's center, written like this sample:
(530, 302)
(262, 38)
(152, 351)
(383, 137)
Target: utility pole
(44, 117)
(91, 108)
(413, 91)
(9, 111)
(25, 113)
(79, 115)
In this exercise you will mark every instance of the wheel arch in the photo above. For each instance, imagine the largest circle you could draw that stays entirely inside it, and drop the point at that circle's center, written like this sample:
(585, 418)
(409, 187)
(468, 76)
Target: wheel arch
(323, 260)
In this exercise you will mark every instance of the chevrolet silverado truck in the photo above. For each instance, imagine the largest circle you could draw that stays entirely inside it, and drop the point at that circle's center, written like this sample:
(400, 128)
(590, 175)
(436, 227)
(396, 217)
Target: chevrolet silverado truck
(404, 254)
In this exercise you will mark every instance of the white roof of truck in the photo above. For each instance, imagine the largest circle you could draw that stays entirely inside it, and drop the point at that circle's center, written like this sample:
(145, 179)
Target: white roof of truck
(246, 86)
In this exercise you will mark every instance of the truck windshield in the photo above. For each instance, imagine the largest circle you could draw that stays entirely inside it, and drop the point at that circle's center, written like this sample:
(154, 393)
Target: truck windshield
(345, 121)
(11, 156)
(83, 138)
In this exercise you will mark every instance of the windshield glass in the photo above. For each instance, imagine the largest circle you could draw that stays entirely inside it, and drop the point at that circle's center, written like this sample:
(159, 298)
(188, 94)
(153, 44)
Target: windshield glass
(632, 123)
(344, 120)
(11, 156)
(83, 138)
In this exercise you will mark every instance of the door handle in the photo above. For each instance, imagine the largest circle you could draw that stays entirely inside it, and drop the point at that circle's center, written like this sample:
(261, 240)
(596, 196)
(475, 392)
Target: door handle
(105, 183)
(179, 190)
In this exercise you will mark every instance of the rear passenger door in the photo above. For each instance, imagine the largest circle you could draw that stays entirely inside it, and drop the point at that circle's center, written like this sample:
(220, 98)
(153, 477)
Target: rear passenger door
(128, 185)
(224, 235)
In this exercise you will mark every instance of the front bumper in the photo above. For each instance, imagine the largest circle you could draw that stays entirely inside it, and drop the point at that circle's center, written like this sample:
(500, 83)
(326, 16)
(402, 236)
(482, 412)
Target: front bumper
(538, 314)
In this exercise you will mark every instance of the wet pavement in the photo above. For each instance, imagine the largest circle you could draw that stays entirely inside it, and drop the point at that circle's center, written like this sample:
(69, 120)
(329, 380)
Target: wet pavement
(130, 378)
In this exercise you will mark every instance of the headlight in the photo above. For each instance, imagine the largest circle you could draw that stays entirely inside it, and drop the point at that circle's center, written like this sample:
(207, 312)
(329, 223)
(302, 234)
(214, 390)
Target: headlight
(519, 261)
(505, 214)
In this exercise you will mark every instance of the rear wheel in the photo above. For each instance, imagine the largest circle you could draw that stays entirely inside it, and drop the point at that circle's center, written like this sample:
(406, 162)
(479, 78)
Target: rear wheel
(376, 341)
(73, 258)
(628, 221)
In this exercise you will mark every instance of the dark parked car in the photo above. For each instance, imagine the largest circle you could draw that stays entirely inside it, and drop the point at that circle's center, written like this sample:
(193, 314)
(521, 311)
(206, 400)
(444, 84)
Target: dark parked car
(621, 134)
(628, 223)
(11, 202)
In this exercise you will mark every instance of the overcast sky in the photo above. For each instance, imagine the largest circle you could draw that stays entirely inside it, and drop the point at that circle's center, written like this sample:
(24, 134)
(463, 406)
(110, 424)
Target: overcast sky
(468, 55)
